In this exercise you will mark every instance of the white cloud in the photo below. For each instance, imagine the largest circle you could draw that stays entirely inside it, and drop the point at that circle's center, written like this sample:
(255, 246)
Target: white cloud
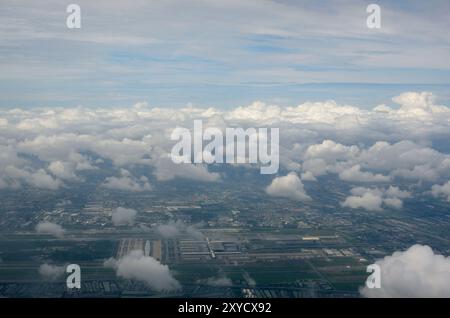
(308, 176)
(289, 186)
(397, 193)
(373, 199)
(14, 177)
(354, 174)
(126, 182)
(418, 105)
(167, 170)
(416, 272)
(123, 216)
(62, 170)
(394, 203)
(316, 167)
(50, 229)
(380, 162)
(331, 151)
(255, 112)
(51, 272)
(328, 112)
(364, 198)
(382, 109)
(146, 269)
(441, 190)
(318, 138)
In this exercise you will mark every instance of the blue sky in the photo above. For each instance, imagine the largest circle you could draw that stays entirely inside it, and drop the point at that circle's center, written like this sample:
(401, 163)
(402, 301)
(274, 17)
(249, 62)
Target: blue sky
(221, 53)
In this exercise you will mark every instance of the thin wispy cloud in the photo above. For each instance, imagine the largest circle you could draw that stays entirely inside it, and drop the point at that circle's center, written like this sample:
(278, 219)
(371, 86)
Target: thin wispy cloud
(175, 52)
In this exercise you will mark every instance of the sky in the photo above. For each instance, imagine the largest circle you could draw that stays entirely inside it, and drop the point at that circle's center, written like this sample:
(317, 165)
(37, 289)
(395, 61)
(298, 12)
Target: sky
(220, 53)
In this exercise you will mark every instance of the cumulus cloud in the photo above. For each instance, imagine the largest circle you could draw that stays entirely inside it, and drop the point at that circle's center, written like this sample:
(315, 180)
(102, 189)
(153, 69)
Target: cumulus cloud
(395, 192)
(50, 228)
(354, 174)
(373, 199)
(418, 104)
(123, 216)
(368, 199)
(62, 170)
(441, 190)
(407, 160)
(14, 177)
(416, 272)
(289, 186)
(174, 229)
(380, 162)
(51, 272)
(308, 176)
(167, 170)
(315, 167)
(146, 269)
(331, 151)
(126, 182)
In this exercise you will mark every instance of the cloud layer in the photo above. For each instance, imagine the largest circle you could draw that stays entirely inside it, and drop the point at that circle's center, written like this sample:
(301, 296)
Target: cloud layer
(267, 49)
(54, 148)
